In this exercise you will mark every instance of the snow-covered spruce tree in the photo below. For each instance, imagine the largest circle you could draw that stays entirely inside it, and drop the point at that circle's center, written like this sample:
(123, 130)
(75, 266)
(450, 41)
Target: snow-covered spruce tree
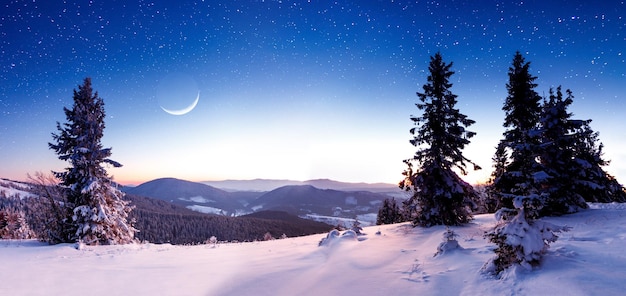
(558, 156)
(99, 215)
(439, 195)
(594, 184)
(356, 227)
(521, 239)
(521, 142)
(572, 156)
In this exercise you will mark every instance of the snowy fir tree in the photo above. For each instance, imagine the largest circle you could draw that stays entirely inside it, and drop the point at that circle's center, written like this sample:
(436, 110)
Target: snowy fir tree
(356, 227)
(516, 159)
(558, 156)
(521, 239)
(99, 215)
(389, 212)
(439, 195)
(594, 184)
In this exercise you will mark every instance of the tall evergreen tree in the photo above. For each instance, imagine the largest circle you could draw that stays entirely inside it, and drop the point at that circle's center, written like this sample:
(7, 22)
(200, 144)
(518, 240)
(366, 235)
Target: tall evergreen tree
(99, 215)
(558, 157)
(521, 141)
(572, 156)
(439, 195)
(521, 239)
(594, 184)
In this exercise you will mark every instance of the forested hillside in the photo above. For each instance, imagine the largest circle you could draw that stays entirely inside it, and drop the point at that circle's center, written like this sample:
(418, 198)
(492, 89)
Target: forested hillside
(163, 222)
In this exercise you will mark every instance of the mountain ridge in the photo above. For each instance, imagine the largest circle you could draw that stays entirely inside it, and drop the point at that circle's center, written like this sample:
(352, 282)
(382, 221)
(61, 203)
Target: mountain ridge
(271, 184)
(304, 200)
(185, 193)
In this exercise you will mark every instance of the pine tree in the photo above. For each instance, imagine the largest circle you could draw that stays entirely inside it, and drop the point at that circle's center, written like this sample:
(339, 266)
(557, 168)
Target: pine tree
(572, 156)
(356, 227)
(389, 212)
(439, 195)
(500, 162)
(520, 237)
(521, 240)
(521, 142)
(99, 215)
(449, 242)
(558, 157)
(594, 184)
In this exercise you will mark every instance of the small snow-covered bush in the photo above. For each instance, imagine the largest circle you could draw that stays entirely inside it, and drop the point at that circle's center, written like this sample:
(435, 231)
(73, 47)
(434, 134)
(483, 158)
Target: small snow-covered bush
(449, 242)
(520, 240)
(211, 241)
(356, 227)
(268, 236)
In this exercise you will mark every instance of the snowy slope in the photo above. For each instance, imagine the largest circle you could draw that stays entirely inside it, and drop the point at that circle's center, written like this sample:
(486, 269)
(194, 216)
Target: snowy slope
(14, 189)
(588, 260)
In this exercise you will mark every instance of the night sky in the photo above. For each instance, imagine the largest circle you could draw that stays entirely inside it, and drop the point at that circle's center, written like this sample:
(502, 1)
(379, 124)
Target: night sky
(292, 89)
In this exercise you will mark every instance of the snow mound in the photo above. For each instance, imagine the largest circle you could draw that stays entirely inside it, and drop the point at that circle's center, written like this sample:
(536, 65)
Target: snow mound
(335, 236)
(449, 242)
(607, 206)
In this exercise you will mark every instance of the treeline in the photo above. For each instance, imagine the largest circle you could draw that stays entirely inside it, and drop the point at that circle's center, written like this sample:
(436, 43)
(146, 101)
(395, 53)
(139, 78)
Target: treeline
(20, 218)
(162, 222)
(159, 221)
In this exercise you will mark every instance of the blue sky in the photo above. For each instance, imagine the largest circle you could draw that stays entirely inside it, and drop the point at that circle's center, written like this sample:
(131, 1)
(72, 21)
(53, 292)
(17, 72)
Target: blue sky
(292, 89)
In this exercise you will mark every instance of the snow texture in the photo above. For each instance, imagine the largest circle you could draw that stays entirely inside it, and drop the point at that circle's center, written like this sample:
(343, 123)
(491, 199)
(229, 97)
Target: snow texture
(588, 260)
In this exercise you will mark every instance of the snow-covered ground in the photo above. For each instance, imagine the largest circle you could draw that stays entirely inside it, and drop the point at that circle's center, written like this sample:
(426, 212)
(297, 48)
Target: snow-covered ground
(12, 188)
(364, 220)
(588, 260)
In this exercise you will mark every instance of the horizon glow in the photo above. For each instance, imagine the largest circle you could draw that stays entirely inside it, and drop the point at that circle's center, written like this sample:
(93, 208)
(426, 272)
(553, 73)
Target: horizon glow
(300, 90)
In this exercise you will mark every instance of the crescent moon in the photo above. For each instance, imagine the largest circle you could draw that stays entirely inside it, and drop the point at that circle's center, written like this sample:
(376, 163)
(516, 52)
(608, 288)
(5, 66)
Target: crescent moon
(184, 110)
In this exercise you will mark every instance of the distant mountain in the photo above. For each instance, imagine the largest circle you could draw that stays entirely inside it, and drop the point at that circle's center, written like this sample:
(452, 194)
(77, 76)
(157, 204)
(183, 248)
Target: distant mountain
(347, 186)
(193, 195)
(307, 199)
(270, 184)
(262, 185)
(300, 200)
